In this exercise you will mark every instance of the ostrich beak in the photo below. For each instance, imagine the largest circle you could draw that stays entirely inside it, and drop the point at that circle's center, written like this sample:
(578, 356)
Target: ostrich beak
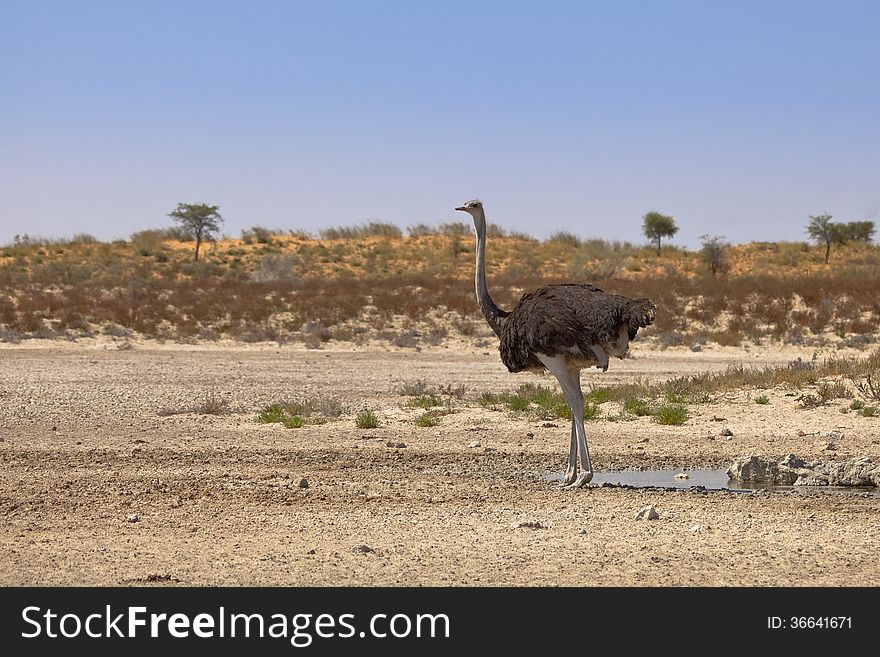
(462, 208)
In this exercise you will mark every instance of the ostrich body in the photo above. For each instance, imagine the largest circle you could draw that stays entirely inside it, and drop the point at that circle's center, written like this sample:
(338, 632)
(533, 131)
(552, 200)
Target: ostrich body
(561, 329)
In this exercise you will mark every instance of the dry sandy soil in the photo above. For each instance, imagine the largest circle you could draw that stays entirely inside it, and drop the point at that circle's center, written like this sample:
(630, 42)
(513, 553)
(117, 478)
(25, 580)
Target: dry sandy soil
(98, 487)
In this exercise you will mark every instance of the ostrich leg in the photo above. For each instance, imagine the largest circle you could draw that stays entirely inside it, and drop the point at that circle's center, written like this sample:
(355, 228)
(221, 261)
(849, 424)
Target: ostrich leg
(570, 382)
(571, 472)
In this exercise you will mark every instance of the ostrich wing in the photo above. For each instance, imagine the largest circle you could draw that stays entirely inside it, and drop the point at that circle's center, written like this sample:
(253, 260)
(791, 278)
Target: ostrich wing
(558, 318)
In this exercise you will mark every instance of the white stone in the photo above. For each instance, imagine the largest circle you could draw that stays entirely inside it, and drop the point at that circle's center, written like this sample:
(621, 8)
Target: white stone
(648, 513)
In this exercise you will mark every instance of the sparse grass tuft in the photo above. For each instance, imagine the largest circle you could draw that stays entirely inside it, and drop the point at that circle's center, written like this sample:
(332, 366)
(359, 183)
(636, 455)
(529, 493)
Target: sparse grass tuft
(297, 413)
(456, 391)
(591, 411)
(829, 391)
(293, 421)
(428, 419)
(212, 404)
(270, 414)
(367, 419)
(489, 400)
(600, 395)
(637, 407)
(869, 411)
(413, 388)
(670, 414)
(424, 401)
(762, 399)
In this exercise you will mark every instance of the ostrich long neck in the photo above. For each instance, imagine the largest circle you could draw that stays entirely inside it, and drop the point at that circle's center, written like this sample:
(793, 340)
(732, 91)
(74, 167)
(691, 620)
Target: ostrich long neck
(493, 314)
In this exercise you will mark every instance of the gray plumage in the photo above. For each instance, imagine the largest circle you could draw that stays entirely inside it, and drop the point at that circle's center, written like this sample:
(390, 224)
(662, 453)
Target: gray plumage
(561, 328)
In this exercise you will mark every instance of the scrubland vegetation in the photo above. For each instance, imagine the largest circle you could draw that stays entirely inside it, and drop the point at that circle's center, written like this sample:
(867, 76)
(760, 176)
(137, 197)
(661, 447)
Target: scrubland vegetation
(854, 380)
(413, 289)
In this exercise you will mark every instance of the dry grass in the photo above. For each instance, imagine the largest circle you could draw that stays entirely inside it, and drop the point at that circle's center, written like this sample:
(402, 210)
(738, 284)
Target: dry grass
(274, 285)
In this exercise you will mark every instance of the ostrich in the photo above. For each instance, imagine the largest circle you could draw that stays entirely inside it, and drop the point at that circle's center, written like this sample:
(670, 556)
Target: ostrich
(561, 328)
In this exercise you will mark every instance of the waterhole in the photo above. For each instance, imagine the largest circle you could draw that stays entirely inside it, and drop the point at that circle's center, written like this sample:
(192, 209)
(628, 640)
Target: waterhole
(700, 479)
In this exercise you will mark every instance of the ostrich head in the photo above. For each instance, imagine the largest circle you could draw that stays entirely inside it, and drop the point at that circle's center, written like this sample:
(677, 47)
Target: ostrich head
(475, 209)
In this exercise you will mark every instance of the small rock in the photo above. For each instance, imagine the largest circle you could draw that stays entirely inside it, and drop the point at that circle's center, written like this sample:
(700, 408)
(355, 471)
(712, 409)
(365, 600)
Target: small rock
(696, 529)
(390, 443)
(489, 449)
(474, 444)
(715, 418)
(530, 434)
(875, 441)
(833, 435)
(682, 475)
(726, 432)
(312, 551)
(133, 517)
(829, 447)
(303, 483)
(811, 479)
(176, 503)
(582, 532)
(549, 425)
(643, 440)
(792, 461)
(648, 513)
(529, 524)
(364, 549)
(399, 445)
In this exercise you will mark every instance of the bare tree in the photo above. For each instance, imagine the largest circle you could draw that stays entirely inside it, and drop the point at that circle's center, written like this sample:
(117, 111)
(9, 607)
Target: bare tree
(714, 253)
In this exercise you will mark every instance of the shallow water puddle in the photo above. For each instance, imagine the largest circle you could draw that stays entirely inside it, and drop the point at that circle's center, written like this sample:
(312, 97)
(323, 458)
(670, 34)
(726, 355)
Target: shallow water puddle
(705, 479)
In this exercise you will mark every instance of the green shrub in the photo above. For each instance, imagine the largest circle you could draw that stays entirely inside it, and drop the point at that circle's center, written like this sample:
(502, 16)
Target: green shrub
(670, 414)
(294, 422)
(600, 395)
(273, 413)
(428, 419)
(367, 419)
(636, 406)
(591, 411)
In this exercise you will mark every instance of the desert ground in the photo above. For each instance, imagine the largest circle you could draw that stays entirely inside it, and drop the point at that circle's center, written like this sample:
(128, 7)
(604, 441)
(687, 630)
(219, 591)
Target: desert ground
(106, 480)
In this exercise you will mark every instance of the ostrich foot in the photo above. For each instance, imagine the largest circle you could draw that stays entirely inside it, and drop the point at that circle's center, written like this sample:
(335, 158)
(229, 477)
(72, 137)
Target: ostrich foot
(583, 479)
(569, 478)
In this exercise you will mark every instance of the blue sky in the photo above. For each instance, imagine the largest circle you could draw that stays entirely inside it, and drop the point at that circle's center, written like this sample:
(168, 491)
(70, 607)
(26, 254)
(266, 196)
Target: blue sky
(737, 118)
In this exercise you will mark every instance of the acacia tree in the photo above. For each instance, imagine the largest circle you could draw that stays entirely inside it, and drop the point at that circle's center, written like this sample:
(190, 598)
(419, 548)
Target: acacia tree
(859, 231)
(826, 232)
(656, 226)
(714, 252)
(198, 220)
